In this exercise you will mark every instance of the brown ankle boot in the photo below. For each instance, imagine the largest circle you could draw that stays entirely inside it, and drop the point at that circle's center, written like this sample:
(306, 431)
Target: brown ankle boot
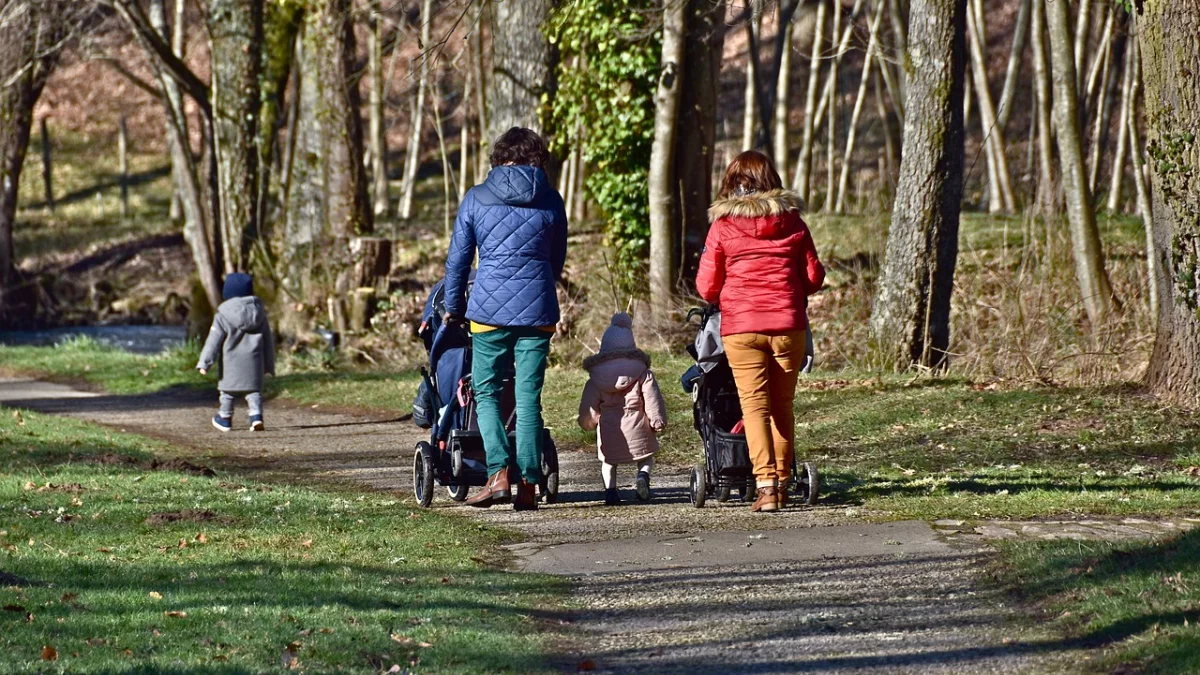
(526, 499)
(781, 496)
(496, 491)
(767, 500)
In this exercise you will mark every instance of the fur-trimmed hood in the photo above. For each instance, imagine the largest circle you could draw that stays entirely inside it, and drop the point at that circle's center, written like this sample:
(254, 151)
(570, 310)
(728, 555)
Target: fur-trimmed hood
(612, 355)
(756, 205)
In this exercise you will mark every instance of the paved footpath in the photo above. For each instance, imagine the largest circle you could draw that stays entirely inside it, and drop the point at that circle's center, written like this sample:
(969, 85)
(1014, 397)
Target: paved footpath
(664, 587)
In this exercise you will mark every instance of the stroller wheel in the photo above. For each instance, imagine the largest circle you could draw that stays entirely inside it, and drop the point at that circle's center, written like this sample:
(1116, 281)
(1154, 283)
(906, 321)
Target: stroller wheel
(423, 463)
(699, 486)
(808, 486)
(549, 486)
(458, 492)
(723, 494)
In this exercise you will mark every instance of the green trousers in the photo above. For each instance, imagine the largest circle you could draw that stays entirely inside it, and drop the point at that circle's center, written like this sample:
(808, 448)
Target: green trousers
(498, 353)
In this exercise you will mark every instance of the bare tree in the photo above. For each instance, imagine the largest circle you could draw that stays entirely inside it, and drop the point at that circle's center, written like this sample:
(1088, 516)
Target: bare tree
(378, 130)
(1085, 236)
(1171, 57)
(1043, 103)
(1013, 73)
(782, 94)
(1117, 176)
(859, 100)
(1000, 193)
(910, 322)
(412, 154)
(32, 34)
(803, 174)
(750, 97)
(1145, 209)
(662, 151)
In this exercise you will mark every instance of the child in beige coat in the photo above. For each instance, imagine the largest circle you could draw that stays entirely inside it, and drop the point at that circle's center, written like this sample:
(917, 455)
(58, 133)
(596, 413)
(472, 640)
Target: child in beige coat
(622, 402)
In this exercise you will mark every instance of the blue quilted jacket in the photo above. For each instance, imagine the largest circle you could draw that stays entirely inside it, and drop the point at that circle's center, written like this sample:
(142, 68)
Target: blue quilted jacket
(518, 224)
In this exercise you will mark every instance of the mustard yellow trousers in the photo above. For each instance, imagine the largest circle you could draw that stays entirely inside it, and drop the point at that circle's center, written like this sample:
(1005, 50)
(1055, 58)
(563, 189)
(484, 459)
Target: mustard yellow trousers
(765, 368)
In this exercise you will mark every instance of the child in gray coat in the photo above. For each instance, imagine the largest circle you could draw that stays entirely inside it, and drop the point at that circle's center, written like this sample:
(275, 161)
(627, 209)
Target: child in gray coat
(241, 343)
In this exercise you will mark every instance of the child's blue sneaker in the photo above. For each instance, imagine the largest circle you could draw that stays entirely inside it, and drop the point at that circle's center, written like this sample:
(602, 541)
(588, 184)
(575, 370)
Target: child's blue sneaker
(222, 424)
(256, 423)
(643, 486)
(611, 497)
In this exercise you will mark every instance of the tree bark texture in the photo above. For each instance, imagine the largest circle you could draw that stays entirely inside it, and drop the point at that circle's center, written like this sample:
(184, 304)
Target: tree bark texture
(1117, 176)
(783, 92)
(910, 322)
(1015, 54)
(1145, 209)
(750, 97)
(1171, 59)
(412, 153)
(859, 100)
(662, 151)
(696, 139)
(378, 129)
(1043, 104)
(523, 60)
(803, 175)
(1000, 194)
(1090, 273)
(327, 202)
(236, 33)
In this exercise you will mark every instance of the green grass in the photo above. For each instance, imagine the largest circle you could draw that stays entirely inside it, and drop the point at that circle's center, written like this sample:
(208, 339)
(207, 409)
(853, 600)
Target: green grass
(1140, 602)
(928, 448)
(353, 582)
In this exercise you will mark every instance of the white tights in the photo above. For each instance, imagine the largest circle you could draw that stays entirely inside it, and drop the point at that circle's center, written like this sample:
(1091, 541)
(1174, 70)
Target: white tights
(609, 471)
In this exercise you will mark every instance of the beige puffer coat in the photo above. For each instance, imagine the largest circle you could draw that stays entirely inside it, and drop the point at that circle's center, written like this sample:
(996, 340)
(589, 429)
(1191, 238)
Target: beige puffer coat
(622, 400)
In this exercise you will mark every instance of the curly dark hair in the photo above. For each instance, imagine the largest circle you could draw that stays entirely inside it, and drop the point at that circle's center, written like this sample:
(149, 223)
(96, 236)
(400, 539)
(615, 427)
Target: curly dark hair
(519, 145)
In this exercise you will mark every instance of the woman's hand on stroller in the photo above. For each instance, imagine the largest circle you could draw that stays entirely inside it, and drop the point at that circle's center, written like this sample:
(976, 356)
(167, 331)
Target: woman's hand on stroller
(453, 319)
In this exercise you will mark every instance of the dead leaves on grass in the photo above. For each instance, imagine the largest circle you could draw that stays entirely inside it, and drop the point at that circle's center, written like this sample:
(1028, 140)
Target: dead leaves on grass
(49, 653)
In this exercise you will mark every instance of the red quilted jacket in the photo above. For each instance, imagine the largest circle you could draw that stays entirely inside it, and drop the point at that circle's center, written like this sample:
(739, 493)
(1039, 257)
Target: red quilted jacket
(759, 263)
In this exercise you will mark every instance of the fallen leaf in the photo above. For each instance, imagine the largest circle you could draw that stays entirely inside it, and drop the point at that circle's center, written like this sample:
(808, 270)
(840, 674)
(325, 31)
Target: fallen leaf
(402, 639)
(156, 595)
(104, 550)
(1192, 471)
(183, 543)
(425, 644)
(49, 653)
(202, 538)
(587, 665)
(394, 669)
(175, 615)
(19, 418)
(29, 485)
(307, 543)
(288, 658)
(69, 597)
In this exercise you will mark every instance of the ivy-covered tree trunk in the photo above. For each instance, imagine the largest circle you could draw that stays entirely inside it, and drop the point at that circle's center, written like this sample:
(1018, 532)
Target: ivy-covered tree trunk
(523, 62)
(696, 139)
(327, 201)
(662, 152)
(25, 63)
(236, 36)
(1171, 71)
(910, 322)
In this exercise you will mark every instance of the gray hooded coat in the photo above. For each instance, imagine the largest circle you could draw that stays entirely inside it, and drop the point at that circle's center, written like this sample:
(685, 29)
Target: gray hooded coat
(241, 341)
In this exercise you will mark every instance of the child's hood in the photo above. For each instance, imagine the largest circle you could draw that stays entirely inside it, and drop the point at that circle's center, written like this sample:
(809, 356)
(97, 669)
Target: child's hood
(246, 314)
(617, 372)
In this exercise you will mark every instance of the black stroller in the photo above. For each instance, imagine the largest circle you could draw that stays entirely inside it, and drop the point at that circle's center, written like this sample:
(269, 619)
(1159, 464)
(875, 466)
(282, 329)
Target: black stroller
(716, 412)
(454, 456)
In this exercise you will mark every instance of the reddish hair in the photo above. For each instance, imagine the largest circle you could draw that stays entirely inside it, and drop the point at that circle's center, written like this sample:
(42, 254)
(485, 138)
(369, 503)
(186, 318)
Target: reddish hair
(753, 172)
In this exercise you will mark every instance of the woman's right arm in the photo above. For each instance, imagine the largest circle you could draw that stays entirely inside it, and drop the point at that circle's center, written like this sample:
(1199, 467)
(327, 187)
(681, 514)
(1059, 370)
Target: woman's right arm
(459, 259)
(710, 278)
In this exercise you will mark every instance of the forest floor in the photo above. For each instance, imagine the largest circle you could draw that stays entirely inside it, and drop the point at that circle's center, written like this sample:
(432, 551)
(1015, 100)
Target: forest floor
(848, 586)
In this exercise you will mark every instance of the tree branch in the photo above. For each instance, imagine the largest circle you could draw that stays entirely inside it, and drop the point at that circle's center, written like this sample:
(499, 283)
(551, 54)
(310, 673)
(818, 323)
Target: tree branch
(161, 54)
(128, 75)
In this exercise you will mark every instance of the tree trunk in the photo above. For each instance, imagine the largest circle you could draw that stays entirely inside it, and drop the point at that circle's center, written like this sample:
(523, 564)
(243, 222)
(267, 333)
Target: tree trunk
(178, 45)
(1082, 28)
(662, 152)
(1085, 237)
(910, 322)
(123, 166)
(1117, 177)
(750, 97)
(481, 86)
(1020, 38)
(833, 89)
(378, 127)
(782, 94)
(412, 154)
(695, 141)
(523, 63)
(1000, 191)
(327, 202)
(1171, 58)
(859, 100)
(184, 169)
(1043, 103)
(25, 64)
(47, 167)
(1145, 209)
(804, 163)
(898, 13)
(235, 30)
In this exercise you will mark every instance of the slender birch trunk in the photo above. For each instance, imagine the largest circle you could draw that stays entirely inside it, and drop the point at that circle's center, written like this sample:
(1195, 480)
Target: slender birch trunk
(803, 173)
(1101, 118)
(377, 130)
(1090, 271)
(885, 121)
(662, 151)
(1082, 27)
(1012, 75)
(1144, 205)
(1043, 103)
(782, 94)
(750, 112)
(412, 155)
(1000, 194)
(464, 138)
(832, 98)
(859, 99)
(481, 85)
(1117, 177)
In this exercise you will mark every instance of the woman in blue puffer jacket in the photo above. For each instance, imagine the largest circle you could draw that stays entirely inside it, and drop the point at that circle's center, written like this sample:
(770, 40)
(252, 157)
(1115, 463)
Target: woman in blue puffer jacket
(517, 224)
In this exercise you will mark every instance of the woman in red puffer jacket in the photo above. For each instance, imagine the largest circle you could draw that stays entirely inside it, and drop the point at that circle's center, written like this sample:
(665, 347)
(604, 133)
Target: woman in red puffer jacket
(760, 265)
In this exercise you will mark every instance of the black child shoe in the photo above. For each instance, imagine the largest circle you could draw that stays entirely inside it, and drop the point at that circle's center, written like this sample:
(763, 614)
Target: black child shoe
(611, 497)
(643, 486)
